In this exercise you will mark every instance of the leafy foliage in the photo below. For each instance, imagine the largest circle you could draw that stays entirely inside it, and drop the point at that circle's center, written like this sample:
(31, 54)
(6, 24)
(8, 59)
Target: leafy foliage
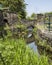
(18, 6)
(32, 17)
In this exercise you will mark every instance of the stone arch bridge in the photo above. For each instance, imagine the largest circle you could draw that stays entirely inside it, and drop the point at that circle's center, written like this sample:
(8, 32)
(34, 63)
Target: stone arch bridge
(29, 23)
(11, 18)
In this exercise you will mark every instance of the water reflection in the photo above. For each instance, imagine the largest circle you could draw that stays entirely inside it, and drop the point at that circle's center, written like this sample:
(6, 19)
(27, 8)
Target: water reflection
(29, 35)
(30, 28)
(33, 46)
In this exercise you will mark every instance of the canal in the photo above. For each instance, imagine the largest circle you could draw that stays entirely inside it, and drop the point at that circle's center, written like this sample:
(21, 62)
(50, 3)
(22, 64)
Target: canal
(37, 49)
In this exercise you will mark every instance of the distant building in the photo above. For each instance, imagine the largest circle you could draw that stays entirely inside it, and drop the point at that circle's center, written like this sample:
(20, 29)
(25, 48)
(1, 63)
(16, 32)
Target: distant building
(39, 17)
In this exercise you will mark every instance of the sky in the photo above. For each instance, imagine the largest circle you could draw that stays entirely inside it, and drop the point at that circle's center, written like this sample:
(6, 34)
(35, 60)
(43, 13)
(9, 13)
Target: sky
(38, 6)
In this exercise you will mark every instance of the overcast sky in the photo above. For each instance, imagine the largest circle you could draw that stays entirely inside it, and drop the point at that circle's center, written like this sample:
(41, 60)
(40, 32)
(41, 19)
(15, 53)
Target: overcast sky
(38, 6)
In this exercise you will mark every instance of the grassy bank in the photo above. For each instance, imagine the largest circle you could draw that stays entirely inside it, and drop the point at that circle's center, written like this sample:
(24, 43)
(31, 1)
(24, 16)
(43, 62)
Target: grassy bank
(41, 42)
(15, 52)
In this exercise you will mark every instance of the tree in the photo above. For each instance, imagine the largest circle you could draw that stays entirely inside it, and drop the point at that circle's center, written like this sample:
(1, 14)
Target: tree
(18, 6)
(33, 16)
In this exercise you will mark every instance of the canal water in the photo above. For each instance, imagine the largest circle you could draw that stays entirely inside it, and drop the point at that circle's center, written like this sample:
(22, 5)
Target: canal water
(35, 48)
(32, 44)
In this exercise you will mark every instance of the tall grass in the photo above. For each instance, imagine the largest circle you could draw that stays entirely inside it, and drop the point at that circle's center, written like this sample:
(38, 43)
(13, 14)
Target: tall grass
(15, 52)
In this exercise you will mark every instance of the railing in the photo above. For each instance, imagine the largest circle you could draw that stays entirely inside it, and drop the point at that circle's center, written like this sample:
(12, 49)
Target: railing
(49, 24)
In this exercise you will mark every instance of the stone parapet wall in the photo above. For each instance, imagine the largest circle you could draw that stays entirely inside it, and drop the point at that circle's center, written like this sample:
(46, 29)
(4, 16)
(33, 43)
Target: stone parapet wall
(44, 36)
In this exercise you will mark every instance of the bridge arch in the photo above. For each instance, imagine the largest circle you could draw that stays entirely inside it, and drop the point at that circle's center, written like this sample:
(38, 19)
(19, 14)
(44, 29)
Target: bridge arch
(30, 26)
(5, 21)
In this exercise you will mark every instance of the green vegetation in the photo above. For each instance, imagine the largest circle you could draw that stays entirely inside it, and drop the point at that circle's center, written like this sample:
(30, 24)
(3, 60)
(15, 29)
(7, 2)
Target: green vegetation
(32, 17)
(40, 42)
(15, 52)
(18, 6)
